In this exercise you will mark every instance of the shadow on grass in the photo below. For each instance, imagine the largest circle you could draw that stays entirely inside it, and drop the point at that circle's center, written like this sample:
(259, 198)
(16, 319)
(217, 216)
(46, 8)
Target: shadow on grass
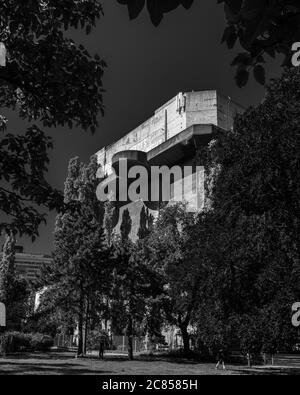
(274, 371)
(16, 368)
(144, 358)
(53, 355)
(285, 371)
(32, 370)
(65, 363)
(70, 356)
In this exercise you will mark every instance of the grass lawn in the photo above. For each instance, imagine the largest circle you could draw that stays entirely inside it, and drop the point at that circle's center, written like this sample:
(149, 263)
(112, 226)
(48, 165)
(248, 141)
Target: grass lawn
(65, 363)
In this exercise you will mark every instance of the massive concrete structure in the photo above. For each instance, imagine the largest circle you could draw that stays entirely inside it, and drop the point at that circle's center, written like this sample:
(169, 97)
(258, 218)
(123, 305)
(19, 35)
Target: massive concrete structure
(172, 136)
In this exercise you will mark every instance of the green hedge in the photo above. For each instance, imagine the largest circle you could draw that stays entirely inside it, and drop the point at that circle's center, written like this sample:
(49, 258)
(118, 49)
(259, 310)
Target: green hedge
(11, 342)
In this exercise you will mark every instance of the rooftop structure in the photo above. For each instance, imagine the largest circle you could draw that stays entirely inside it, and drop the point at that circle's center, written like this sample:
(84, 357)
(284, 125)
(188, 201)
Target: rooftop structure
(171, 137)
(179, 114)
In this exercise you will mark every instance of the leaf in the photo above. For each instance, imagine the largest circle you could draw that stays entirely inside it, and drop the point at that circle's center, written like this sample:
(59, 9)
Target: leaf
(156, 8)
(187, 3)
(230, 36)
(135, 7)
(242, 77)
(232, 10)
(260, 74)
(252, 9)
(88, 29)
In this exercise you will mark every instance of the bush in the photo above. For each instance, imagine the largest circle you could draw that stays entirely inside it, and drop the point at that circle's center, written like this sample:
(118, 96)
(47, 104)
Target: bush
(11, 342)
(40, 342)
(93, 340)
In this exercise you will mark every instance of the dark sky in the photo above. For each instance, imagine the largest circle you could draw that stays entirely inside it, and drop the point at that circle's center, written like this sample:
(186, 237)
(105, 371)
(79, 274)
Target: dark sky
(147, 66)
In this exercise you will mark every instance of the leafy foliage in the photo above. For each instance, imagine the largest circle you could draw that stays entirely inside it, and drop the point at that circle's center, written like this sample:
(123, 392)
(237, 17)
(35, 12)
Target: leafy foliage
(50, 79)
(146, 223)
(23, 165)
(14, 291)
(46, 72)
(156, 8)
(11, 342)
(77, 279)
(255, 206)
(126, 225)
(260, 27)
(136, 287)
(175, 252)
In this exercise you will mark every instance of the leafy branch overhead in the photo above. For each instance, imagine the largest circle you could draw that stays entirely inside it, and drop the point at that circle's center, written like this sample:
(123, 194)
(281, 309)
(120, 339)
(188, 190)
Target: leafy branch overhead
(23, 162)
(156, 8)
(260, 27)
(47, 78)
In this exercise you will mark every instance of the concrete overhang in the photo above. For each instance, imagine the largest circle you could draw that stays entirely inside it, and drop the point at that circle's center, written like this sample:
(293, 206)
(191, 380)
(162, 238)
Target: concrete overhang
(183, 145)
(175, 150)
(133, 158)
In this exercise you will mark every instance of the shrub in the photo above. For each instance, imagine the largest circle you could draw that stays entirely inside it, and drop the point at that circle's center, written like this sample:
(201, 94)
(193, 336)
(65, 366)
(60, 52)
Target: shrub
(11, 342)
(93, 340)
(40, 342)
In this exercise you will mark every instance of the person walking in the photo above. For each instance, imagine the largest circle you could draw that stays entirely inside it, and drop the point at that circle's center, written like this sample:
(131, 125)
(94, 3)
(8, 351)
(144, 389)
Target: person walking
(221, 359)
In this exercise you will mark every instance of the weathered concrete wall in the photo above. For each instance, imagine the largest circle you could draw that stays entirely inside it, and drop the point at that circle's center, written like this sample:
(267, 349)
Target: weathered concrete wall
(201, 108)
(181, 112)
(190, 189)
(184, 110)
(149, 135)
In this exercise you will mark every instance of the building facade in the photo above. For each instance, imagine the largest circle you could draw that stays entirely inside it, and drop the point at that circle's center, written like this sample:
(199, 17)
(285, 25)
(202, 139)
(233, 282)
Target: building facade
(29, 265)
(171, 137)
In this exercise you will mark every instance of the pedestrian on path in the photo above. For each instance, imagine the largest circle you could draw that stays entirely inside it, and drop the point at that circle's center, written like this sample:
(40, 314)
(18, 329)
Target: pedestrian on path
(221, 359)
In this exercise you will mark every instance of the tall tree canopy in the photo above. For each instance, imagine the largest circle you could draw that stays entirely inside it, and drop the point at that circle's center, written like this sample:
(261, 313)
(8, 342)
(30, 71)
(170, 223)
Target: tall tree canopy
(50, 79)
(255, 201)
(261, 27)
(14, 291)
(177, 247)
(48, 76)
(80, 270)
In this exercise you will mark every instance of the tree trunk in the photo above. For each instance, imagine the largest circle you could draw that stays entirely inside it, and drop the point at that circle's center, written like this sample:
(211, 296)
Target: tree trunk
(249, 360)
(80, 329)
(130, 338)
(185, 338)
(86, 324)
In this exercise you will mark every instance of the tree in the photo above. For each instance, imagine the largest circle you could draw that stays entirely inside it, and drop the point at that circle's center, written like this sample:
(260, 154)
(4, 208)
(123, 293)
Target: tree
(260, 27)
(255, 201)
(146, 223)
(178, 253)
(109, 221)
(14, 291)
(79, 277)
(126, 225)
(7, 270)
(136, 287)
(259, 159)
(49, 79)
(23, 165)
